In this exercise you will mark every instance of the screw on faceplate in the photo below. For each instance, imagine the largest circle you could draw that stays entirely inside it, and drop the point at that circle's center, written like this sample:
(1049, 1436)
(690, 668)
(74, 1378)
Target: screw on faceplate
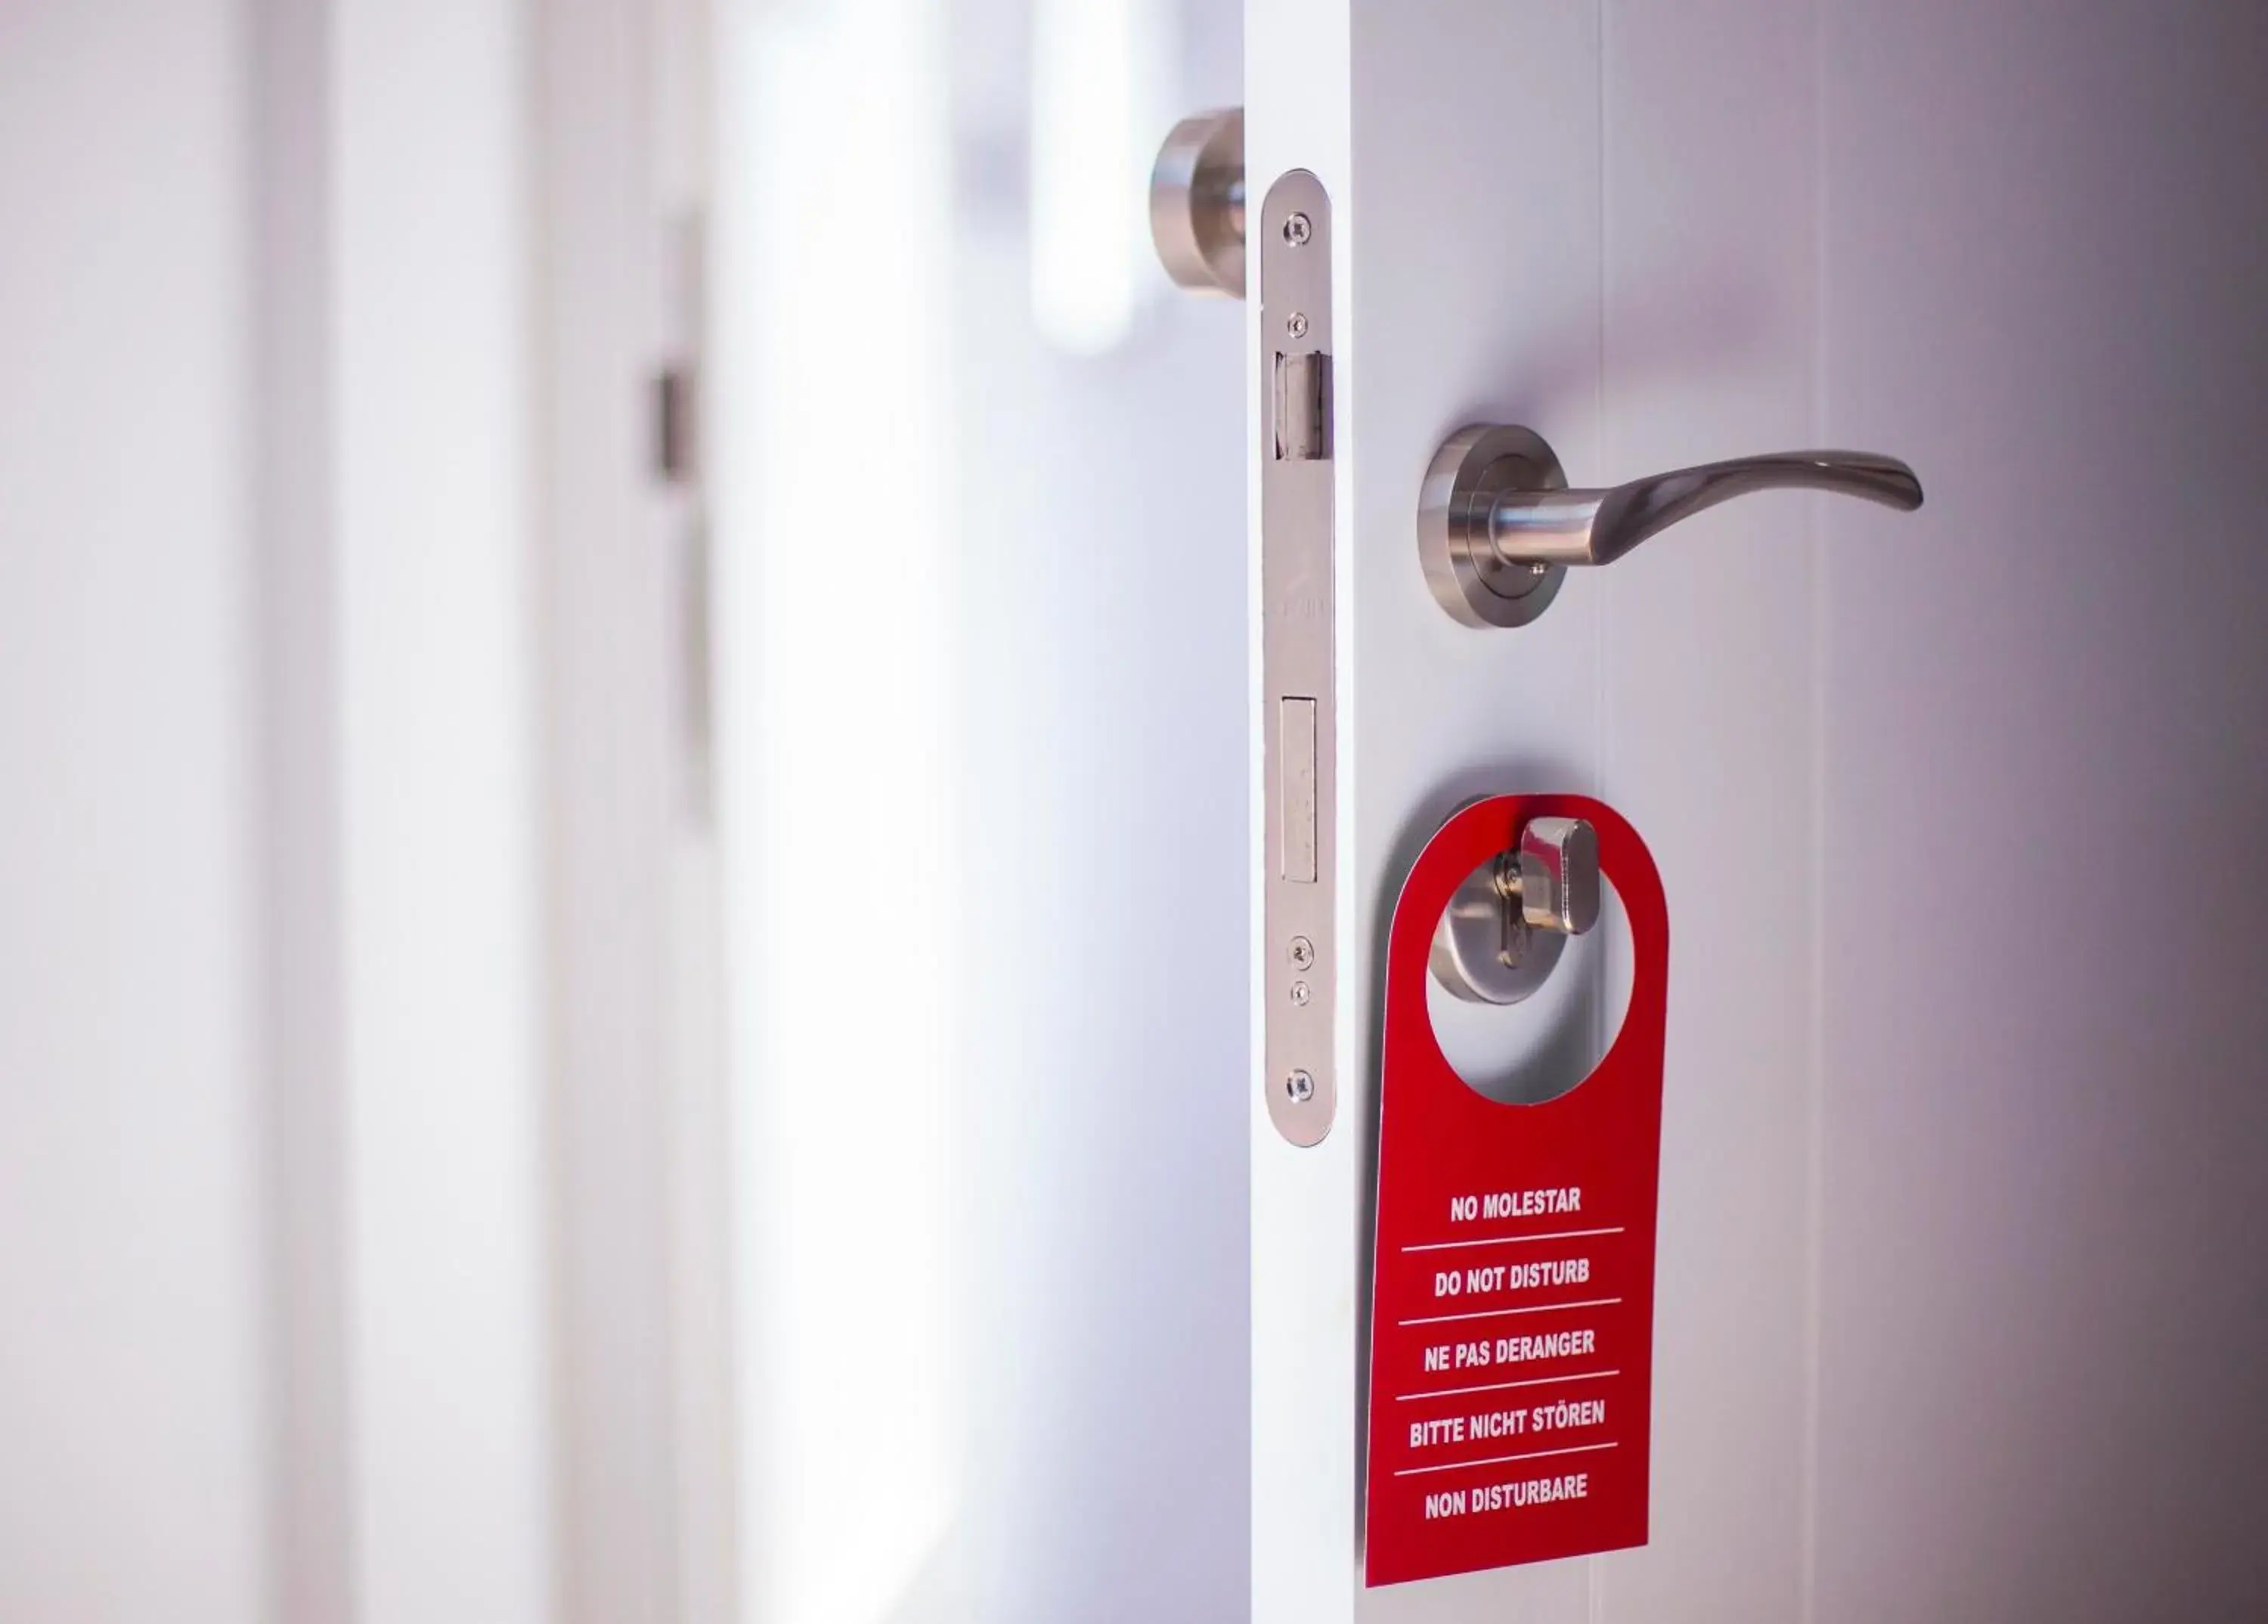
(1296, 325)
(1299, 992)
(1303, 953)
(1297, 229)
(1300, 1085)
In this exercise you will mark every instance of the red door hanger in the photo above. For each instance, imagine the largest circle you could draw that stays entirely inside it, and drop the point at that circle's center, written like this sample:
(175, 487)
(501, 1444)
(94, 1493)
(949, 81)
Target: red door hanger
(1512, 1289)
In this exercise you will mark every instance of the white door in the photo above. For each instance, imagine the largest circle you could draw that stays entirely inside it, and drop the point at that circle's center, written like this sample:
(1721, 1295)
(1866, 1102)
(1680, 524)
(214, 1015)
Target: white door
(1963, 1267)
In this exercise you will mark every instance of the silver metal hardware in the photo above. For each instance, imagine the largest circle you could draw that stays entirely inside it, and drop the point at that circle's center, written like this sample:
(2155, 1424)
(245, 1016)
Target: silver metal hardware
(1303, 401)
(674, 401)
(1196, 202)
(1299, 781)
(1300, 1086)
(1554, 875)
(1501, 936)
(1497, 526)
(1295, 745)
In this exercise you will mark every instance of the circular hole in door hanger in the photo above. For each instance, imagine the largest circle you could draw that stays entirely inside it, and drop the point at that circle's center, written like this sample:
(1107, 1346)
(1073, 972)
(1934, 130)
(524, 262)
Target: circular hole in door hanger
(1523, 1015)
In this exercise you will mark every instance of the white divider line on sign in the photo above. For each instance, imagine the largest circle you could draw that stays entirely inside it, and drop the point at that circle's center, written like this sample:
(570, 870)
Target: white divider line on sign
(1498, 1313)
(1533, 1381)
(1499, 1460)
(1515, 1240)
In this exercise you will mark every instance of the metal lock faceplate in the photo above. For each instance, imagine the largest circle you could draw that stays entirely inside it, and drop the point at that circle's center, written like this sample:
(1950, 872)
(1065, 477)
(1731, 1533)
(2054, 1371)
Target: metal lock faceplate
(1303, 953)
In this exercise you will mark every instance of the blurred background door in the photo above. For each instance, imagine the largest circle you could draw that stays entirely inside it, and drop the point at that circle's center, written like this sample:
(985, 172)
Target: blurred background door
(622, 951)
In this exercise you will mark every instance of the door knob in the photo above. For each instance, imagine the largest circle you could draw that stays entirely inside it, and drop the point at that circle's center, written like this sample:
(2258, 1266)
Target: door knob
(1196, 202)
(1503, 928)
(1497, 526)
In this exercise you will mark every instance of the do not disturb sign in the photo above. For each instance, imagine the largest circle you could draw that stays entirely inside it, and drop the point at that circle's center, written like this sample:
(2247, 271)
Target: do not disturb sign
(1512, 1294)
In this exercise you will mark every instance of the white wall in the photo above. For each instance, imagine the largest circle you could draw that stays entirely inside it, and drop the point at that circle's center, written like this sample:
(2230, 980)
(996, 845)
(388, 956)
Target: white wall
(1100, 1126)
(444, 1128)
(131, 1246)
(274, 1273)
(982, 761)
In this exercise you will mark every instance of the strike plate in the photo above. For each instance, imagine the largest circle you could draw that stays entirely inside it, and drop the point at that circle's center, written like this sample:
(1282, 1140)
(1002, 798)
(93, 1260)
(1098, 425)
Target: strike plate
(1299, 704)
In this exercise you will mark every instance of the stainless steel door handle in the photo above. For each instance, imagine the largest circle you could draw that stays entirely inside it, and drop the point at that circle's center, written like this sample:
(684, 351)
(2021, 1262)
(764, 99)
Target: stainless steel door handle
(1196, 202)
(1497, 525)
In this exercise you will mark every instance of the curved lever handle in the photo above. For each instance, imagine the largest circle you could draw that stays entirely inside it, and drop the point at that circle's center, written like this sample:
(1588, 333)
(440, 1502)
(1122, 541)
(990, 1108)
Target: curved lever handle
(1497, 525)
(1599, 526)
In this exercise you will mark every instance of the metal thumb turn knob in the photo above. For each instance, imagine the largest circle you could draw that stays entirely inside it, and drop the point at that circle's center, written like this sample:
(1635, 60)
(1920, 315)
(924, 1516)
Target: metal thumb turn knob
(1497, 526)
(1500, 935)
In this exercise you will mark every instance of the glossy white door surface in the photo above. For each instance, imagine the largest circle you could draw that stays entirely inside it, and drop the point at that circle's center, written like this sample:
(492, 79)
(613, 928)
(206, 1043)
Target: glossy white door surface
(1963, 1252)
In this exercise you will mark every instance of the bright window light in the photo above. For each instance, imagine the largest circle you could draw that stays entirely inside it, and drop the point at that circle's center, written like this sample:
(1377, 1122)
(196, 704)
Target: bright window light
(833, 560)
(1097, 74)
